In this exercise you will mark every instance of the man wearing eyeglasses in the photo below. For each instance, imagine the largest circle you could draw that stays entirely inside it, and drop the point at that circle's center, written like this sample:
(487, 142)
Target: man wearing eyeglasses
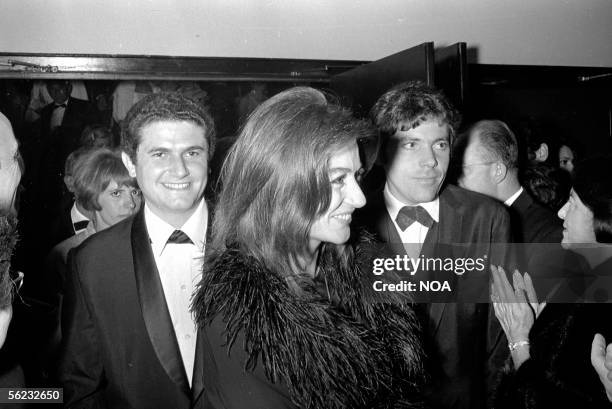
(488, 152)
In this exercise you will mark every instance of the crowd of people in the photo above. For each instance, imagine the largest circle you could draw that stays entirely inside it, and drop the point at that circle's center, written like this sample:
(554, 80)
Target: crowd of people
(164, 270)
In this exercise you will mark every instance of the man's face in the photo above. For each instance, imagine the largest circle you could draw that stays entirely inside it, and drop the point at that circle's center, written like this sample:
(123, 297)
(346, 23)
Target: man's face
(416, 162)
(10, 172)
(171, 168)
(477, 168)
(59, 91)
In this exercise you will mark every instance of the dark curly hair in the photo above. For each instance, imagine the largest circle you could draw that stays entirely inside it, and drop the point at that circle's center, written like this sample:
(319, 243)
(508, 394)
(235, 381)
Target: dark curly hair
(164, 106)
(407, 105)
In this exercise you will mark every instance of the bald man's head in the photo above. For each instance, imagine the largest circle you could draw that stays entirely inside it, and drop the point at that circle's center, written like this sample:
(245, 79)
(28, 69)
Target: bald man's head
(10, 172)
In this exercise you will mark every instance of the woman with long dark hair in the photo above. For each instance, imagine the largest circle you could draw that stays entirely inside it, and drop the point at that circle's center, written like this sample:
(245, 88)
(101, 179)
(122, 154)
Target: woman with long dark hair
(286, 307)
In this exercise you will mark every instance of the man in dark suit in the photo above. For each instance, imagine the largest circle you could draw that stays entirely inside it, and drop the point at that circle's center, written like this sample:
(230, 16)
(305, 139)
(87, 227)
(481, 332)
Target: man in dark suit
(129, 339)
(62, 122)
(70, 217)
(489, 157)
(488, 152)
(417, 124)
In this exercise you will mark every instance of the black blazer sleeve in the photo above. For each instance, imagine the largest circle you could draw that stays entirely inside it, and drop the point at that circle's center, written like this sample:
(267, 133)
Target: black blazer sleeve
(80, 369)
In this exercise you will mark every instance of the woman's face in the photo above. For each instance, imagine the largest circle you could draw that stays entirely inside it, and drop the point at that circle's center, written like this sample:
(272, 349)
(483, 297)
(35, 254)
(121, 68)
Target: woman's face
(577, 222)
(566, 158)
(117, 203)
(334, 225)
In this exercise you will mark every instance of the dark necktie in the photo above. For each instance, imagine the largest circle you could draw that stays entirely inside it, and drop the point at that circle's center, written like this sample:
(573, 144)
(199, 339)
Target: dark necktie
(80, 225)
(59, 106)
(410, 214)
(179, 237)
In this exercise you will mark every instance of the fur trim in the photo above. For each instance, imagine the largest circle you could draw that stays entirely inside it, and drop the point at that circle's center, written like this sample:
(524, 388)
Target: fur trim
(360, 351)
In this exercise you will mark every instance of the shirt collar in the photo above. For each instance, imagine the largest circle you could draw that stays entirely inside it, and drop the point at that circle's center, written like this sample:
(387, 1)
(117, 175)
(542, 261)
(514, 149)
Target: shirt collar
(394, 205)
(159, 231)
(76, 215)
(513, 198)
(63, 103)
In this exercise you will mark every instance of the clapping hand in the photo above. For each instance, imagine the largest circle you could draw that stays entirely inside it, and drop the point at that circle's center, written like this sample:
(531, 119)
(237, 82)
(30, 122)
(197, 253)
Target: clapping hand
(601, 359)
(516, 306)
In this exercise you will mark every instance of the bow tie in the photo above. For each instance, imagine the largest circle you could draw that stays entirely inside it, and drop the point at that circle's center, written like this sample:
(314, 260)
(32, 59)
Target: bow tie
(59, 106)
(410, 214)
(80, 225)
(179, 237)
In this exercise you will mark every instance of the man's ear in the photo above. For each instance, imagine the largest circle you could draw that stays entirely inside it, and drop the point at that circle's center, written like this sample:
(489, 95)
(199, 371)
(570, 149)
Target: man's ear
(129, 165)
(499, 171)
(541, 154)
(69, 182)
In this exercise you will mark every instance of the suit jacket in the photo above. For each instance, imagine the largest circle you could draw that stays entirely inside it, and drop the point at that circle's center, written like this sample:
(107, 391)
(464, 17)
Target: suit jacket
(60, 224)
(119, 347)
(540, 231)
(533, 223)
(77, 115)
(463, 339)
(56, 145)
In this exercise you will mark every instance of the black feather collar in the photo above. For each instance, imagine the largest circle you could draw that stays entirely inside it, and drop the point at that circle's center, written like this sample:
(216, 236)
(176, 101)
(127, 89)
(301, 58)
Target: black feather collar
(362, 350)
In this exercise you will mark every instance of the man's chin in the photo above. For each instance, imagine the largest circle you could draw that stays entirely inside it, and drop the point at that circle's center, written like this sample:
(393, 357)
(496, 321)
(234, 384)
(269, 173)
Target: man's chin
(428, 196)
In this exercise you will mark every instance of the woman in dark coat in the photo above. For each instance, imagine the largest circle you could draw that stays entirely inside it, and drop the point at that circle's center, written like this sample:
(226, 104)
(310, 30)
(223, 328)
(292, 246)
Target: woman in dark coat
(286, 307)
(550, 344)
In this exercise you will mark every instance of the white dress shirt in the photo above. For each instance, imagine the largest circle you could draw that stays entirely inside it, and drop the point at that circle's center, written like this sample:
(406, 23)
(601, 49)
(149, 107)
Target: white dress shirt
(180, 269)
(513, 198)
(416, 232)
(57, 116)
(77, 216)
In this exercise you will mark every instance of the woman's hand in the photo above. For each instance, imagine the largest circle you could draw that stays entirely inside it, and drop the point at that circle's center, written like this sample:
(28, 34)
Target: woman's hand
(601, 359)
(514, 313)
(516, 307)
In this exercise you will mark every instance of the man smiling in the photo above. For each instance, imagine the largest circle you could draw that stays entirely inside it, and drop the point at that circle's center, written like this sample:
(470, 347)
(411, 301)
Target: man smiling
(129, 338)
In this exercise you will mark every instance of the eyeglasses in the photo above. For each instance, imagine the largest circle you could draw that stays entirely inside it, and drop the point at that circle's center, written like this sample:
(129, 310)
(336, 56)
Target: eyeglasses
(467, 165)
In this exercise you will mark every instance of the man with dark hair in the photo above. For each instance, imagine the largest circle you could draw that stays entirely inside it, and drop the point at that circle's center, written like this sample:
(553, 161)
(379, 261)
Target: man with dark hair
(415, 208)
(129, 338)
(61, 124)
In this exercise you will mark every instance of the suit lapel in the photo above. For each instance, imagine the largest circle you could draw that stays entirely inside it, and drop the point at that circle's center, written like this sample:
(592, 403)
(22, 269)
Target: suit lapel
(197, 384)
(153, 303)
(442, 233)
(451, 218)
